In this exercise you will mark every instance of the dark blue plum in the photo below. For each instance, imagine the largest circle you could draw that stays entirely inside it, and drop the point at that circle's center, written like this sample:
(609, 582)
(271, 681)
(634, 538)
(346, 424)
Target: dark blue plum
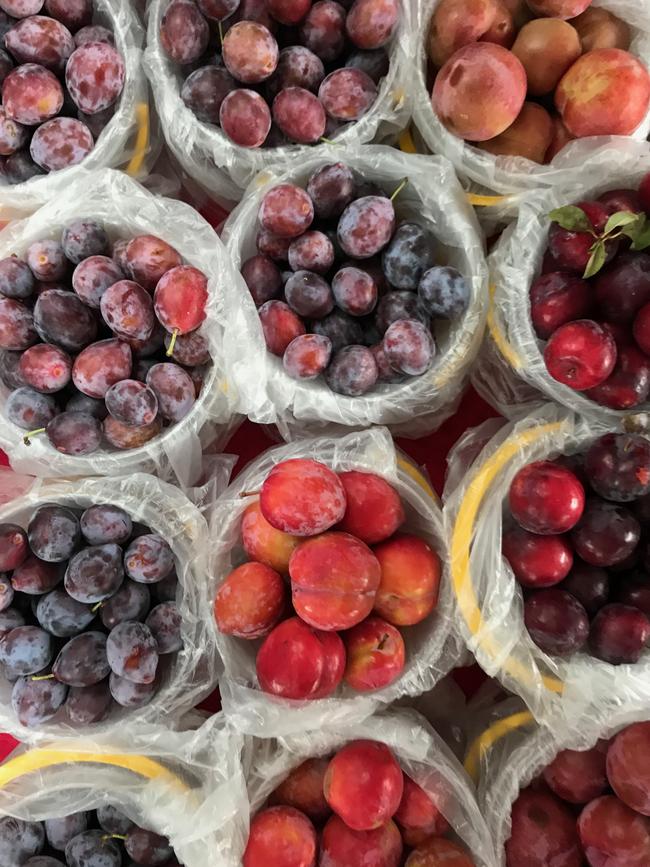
(60, 831)
(353, 371)
(408, 255)
(26, 649)
(19, 840)
(341, 329)
(37, 701)
(444, 292)
(398, 305)
(53, 533)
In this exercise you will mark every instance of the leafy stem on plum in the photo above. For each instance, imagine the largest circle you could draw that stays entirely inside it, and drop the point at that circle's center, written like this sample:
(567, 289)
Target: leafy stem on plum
(633, 226)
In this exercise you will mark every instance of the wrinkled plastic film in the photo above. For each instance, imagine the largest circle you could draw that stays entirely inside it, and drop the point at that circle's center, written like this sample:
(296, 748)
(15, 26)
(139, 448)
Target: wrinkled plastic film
(562, 692)
(127, 142)
(224, 168)
(511, 373)
(517, 759)
(189, 675)
(510, 174)
(418, 748)
(432, 646)
(187, 786)
(126, 209)
(434, 198)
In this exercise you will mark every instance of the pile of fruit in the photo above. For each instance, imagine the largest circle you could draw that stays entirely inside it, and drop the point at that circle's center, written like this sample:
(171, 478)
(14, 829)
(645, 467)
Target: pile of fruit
(102, 839)
(515, 77)
(592, 300)
(589, 806)
(317, 526)
(120, 356)
(362, 296)
(87, 608)
(281, 71)
(578, 549)
(366, 810)
(61, 79)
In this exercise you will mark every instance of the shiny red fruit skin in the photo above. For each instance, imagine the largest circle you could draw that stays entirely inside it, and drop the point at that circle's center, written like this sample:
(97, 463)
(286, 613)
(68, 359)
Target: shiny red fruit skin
(628, 385)
(557, 298)
(628, 766)
(580, 354)
(537, 561)
(543, 833)
(546, 498)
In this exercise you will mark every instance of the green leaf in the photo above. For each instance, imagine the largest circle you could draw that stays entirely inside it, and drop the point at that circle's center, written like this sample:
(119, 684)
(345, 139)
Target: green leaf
(642, 239)
(596, 260)
(571, 218)
(623, 218)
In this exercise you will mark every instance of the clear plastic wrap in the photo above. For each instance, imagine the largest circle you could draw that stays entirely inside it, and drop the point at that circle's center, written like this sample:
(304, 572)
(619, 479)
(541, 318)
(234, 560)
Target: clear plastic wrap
(192, 673)
(127, 209)
(432, 196)
(507, 174)
(561, 692)
(418, 748)
(511, 373)
(187, 785)
(517, 751)
(126, 142)
(225, 169)
(432, 647)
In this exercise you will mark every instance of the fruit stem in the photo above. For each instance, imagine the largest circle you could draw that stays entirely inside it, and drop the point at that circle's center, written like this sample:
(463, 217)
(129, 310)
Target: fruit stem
(220, 33)
(32, 433)
(113, 837)
(248, 494)
(329, 141)
(172, 343)
(399, 189)
(96, 607)
(44, 677)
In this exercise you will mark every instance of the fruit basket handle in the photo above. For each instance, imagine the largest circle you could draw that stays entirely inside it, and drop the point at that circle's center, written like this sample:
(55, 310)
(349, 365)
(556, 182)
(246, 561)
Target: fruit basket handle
(141, 140)
(462, 533)
(489, 738)
(39, 759)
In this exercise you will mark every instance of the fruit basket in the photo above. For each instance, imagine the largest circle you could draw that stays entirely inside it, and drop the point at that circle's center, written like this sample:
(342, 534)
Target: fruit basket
(513, 373)
(181, 678)
(224, 168)
(432, 198)
(583, 782)
(438, 784)
(506, 621)
(124, 210)
(414, 661)
(185, 786)
(507, 174)
(126, 139)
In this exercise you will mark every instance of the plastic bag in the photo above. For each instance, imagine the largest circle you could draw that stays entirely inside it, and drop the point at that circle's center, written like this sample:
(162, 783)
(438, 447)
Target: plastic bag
(432, 647)
(128, 140)
(419, 750)
(561, 692)
(432, 196)
(193, 673)
(519, 754)
(508, 174)
(127, 209)
(188, 786)
(511, 373)
(224, 168)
